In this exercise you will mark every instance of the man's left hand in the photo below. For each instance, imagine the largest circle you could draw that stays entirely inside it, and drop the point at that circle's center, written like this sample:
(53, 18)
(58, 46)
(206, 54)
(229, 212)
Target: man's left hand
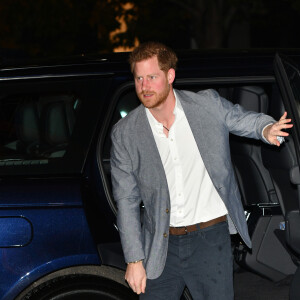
(273, 130)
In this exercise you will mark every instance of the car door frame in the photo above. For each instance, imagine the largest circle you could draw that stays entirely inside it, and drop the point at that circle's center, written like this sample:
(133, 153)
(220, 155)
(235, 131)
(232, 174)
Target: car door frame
(292, 219)
(288, 97)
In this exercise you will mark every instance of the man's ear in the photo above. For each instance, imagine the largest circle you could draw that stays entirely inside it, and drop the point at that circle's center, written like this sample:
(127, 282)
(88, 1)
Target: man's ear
(171, 76)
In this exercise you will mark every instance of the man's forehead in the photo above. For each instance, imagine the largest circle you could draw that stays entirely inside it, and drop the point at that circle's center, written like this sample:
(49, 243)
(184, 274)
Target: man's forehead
(149, 65)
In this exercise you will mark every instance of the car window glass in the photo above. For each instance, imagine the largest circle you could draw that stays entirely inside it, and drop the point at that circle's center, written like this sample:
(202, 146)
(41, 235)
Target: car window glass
(36, 128)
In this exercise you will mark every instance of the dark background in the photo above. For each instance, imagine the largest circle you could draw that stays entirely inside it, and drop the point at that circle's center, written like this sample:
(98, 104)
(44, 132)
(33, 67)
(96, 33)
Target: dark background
(47, 28)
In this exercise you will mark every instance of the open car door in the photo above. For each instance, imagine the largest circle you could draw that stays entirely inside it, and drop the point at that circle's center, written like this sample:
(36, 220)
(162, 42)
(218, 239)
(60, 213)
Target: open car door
(288, 77)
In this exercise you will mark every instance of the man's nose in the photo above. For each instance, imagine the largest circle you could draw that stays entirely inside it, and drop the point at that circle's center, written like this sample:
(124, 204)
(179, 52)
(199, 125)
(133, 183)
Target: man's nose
(145, 84)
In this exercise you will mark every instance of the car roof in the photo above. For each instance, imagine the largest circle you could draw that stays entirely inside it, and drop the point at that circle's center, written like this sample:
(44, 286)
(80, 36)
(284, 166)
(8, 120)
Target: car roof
(209, 63)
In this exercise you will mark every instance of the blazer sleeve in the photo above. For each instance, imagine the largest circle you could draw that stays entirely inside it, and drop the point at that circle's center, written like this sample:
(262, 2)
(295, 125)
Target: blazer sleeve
(240, 121)
(127, 196)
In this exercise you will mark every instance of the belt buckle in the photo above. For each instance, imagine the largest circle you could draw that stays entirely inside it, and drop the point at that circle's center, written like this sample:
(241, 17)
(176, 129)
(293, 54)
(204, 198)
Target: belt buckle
(185, 230)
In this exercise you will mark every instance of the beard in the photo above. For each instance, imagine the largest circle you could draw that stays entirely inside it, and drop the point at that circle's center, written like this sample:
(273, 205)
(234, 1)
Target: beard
(156, 100)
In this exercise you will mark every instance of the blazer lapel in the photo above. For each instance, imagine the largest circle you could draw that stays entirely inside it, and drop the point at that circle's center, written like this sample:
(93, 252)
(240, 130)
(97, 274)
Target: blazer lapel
(149, 154)
(195, 117)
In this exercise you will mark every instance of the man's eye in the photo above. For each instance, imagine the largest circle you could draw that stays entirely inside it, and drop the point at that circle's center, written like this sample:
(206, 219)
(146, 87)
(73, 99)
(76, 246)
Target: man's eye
(153, 77)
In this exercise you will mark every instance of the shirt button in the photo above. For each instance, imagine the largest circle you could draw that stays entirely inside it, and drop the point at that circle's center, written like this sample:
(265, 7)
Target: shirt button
(167, 210)
(165, 235)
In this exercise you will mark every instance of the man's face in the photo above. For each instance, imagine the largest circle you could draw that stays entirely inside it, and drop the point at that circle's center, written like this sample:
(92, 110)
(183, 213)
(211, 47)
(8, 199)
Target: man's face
(151, 83)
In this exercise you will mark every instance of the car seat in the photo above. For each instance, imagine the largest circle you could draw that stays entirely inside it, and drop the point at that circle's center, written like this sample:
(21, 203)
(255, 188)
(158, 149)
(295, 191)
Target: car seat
(59, 120)
(27, 126)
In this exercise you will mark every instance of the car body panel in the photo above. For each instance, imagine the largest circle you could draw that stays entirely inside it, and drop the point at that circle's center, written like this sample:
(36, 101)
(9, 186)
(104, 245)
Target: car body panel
(67, 226)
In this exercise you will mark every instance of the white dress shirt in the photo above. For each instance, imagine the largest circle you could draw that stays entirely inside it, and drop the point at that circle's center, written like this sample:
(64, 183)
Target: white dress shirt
(193, 196)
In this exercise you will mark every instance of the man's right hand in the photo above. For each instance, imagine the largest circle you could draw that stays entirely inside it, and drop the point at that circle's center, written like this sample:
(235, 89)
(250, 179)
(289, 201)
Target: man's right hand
(136, 277)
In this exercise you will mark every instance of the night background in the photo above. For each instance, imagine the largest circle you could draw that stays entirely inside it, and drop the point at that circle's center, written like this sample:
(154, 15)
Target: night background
(51, 28)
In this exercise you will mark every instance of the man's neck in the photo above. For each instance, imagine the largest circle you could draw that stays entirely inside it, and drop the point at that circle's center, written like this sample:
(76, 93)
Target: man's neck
(165, 112)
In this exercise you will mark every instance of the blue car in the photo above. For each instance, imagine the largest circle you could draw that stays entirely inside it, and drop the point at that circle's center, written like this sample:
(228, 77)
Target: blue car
(59, 239)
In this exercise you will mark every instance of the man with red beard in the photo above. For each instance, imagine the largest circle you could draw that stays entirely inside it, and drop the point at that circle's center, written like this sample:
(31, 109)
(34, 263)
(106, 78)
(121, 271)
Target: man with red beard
(172, 154)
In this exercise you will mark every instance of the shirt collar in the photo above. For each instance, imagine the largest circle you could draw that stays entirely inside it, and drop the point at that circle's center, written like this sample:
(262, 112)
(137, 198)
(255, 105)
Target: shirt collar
(156, 126)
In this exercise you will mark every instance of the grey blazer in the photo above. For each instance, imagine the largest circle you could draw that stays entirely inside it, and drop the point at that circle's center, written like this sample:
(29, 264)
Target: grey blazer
(138, 174)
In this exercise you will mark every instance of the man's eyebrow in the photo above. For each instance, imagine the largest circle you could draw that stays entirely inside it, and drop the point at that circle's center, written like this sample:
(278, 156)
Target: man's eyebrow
(151, 74)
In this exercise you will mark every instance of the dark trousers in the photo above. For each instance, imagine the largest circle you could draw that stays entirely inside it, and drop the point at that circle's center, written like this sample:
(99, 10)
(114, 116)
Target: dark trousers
(200, 260)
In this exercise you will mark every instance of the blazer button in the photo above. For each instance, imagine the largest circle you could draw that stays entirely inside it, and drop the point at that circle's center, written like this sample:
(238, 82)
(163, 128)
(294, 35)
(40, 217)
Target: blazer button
(167, 210)
(165, 235)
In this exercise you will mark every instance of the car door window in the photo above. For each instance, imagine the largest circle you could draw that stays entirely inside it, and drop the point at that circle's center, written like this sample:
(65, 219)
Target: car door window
(47, 124)
(36, 128)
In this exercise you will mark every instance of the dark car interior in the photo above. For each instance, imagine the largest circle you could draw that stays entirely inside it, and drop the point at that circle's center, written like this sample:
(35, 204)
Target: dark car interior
(254, 163)
(40, 127)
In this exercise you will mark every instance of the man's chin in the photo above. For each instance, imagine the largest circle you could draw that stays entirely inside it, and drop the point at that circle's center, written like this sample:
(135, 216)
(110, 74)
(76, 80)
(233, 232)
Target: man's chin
(153, 105)
(147, 103)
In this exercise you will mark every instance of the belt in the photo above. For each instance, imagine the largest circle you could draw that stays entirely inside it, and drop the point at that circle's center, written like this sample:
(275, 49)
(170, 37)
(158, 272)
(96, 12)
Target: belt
(185, 229)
